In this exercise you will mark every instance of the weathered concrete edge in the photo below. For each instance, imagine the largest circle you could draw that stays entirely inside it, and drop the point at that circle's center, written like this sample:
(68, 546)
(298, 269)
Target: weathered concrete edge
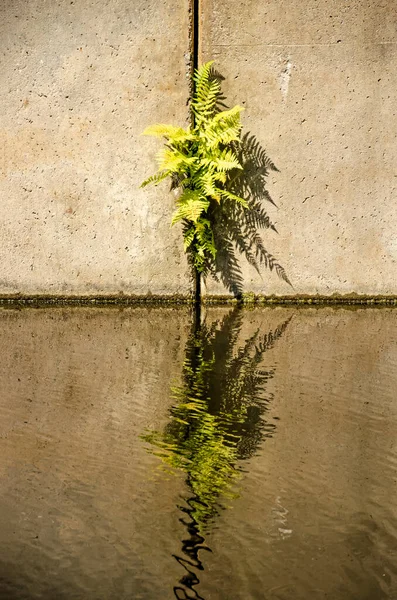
(251, 299)
(248, 299)
(119, 300)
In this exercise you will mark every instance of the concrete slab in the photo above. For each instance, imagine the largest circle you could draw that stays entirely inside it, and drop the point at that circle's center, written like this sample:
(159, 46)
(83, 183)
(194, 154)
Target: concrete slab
(319, 84)
(79, 81)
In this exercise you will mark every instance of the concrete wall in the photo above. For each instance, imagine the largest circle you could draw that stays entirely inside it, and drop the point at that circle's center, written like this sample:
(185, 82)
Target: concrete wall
(319, 84)
(79, 81)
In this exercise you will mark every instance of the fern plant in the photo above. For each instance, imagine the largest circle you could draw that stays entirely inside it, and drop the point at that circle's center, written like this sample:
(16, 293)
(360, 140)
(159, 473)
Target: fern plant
(199, 161)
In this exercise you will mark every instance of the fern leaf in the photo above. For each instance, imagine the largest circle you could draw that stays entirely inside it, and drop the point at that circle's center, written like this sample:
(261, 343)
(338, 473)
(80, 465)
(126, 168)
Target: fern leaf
(202, 75)
(188, 237)
(156, 178)
(191, 205)
(206, 238)
(207, 90)
(230, 196)
(223, 128)
(220, 177)
(227, 115)
(207, 183)
(167, 131)
(173, 161)
(226, 161)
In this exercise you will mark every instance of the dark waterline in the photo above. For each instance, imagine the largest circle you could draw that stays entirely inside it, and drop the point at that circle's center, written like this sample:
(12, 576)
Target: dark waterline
(249, 455)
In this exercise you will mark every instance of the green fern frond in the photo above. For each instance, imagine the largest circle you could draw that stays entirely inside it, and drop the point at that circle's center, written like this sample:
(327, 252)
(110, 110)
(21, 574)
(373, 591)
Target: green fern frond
(201, 76)
(156, 178)
(223, 160)
(230, 196)
(221, 177)
(190, 206)
(207, 183)
(207, 90)
(174, 161)
(167, 131)
(188, 238)
(206, 97)
(204, 162)
(226, 161)
(233, 114)
(206, 238)
(223, 128)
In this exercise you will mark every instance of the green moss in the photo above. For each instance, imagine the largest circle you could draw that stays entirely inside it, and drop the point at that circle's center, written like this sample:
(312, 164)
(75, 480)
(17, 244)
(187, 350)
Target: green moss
(248, 299)
(251, 299)
(119, 300)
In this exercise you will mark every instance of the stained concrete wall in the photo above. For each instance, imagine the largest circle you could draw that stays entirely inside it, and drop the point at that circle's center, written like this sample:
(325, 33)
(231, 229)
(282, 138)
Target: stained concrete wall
(319, 84)
(79, 81)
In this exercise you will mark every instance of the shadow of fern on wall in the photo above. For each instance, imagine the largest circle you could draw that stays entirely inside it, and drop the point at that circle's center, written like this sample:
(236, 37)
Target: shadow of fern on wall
(237, 229)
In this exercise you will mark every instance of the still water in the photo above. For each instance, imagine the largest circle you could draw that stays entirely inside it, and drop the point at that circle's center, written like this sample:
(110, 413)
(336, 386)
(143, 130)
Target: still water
(251, 457)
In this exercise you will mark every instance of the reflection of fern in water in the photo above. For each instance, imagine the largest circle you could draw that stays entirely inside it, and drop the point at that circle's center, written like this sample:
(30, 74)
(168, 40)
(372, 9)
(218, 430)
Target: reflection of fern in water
(217, 420)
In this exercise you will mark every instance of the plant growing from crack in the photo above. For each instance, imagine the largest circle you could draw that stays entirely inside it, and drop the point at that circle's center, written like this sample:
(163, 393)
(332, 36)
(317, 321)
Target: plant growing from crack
(205, 162)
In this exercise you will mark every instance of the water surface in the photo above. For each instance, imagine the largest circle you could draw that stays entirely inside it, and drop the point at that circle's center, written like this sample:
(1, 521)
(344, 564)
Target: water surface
(253, 456)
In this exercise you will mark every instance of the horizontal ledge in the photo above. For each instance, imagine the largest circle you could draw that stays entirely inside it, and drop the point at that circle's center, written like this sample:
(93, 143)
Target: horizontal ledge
(250, 299)
(46, 301)
(246, 299)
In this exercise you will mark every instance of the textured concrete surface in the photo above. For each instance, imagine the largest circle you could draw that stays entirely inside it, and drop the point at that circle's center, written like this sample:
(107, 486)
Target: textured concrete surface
(79, 81)
(319, 84)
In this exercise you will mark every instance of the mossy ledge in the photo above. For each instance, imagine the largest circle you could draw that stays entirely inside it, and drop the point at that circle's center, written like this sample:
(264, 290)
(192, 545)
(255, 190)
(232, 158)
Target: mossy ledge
(119, 300)
(251, 299)
(247, 299)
